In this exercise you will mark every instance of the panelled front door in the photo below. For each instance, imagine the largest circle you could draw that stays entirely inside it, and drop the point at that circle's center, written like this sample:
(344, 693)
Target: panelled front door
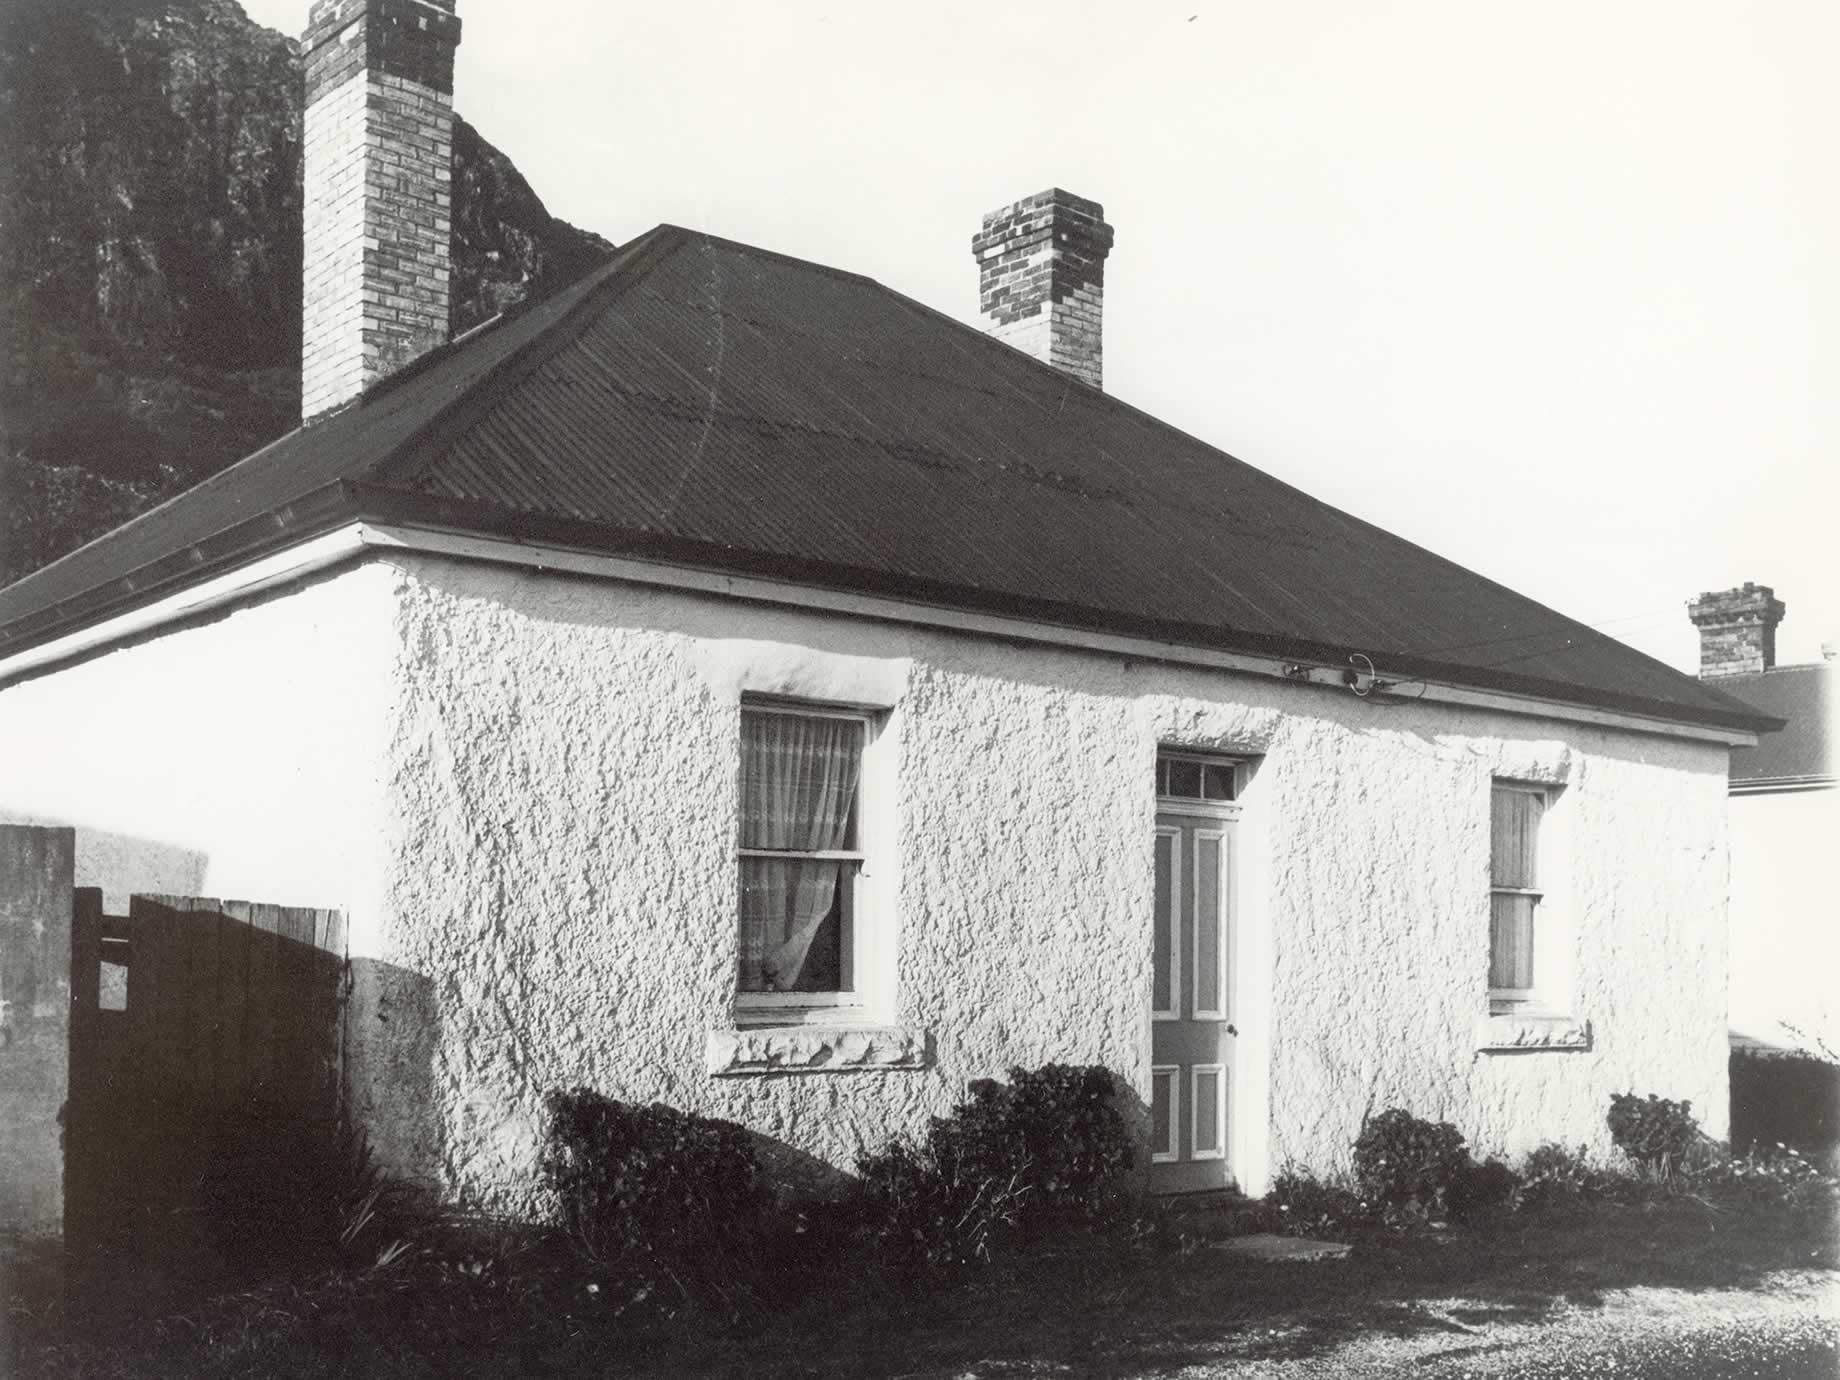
(1191, 1000)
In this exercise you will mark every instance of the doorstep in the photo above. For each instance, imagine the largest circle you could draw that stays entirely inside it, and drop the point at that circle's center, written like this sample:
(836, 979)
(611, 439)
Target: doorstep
(1213, 1214)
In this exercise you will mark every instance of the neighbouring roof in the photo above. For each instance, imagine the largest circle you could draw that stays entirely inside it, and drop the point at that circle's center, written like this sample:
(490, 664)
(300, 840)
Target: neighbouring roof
(1802, 754)
(702, 402)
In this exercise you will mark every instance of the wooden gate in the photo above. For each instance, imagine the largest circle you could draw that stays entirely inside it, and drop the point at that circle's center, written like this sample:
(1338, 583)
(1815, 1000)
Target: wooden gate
(187, 1014)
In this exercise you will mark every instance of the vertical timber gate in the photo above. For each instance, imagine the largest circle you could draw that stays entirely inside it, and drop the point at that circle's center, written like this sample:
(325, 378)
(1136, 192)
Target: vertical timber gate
(190, 1018)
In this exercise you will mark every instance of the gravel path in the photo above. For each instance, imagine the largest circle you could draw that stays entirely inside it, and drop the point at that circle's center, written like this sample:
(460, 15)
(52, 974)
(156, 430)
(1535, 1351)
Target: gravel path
(1790, 1327)
(1787, 1328)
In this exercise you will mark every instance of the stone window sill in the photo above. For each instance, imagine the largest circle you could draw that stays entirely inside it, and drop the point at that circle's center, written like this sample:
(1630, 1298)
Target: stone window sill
(813, 1049)
(1522, 1031)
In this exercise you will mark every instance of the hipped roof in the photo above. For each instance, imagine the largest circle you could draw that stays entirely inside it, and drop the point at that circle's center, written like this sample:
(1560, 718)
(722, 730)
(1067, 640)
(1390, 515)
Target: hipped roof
(701, 402)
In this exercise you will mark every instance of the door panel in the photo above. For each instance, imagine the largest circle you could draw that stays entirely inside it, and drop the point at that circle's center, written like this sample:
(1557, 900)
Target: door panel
(1191, 1035)
(1166, 934)
(1165, 1114)
(1209, 925)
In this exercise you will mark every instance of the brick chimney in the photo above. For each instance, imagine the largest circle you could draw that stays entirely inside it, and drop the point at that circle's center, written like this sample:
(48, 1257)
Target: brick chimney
(379, 172)
(1041, 279)
(1737, 630)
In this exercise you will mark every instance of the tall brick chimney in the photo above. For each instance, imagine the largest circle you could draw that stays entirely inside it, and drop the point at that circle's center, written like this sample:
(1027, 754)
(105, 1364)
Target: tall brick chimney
(1041, 279)
(379, 172)
(1737, 630)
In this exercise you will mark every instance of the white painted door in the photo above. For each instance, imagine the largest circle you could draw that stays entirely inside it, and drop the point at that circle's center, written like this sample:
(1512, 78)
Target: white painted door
(1191, 1033)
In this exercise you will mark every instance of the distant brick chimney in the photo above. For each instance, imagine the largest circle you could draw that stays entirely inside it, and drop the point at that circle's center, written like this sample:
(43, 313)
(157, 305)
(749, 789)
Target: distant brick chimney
(1737, 630)
(379, 174)
(1041, 279)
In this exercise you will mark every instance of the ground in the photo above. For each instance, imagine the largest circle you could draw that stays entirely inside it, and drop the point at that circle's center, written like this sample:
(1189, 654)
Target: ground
(1683, 1288)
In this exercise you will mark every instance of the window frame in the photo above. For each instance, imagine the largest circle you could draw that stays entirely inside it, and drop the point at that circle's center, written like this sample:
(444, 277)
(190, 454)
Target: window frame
(1236, 775)
(1535, 998)
(791, 1008)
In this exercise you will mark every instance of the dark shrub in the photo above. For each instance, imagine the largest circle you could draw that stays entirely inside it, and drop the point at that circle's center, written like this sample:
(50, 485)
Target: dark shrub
(1555, 1174)
(1308, 1206)
(675, 1197)
(1403, 1163)
(1787, 1100)
(1654, 1133)
(278, 1191)
(1047, 1149)
(1477, 1189)
(1056, 1129)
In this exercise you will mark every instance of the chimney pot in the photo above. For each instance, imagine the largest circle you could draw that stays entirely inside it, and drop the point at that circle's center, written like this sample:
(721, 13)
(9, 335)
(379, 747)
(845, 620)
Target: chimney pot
(1041, 279)
(1737, 630)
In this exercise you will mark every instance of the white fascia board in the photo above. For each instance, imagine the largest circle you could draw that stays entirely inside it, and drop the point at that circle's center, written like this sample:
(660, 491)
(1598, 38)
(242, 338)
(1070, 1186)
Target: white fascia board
(354, 539)
(1783, 785)
(327, 549)
(885, 608)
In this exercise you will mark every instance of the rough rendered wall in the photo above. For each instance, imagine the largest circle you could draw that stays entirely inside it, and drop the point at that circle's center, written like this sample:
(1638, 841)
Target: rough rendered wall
(561, 881)
(234, 758)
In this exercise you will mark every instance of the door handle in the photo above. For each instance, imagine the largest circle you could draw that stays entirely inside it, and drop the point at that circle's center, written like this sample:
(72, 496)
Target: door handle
(1232, 1029)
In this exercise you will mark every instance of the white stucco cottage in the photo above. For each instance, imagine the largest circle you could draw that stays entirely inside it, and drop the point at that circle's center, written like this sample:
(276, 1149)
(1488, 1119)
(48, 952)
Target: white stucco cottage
(732, 683)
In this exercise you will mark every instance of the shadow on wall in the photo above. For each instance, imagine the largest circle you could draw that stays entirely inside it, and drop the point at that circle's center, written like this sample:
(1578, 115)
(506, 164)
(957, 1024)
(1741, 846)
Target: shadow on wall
(392, 1032)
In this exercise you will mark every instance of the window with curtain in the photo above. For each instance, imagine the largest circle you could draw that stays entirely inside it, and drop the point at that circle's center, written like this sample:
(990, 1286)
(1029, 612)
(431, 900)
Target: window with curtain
(799, 853)
(1516, 813)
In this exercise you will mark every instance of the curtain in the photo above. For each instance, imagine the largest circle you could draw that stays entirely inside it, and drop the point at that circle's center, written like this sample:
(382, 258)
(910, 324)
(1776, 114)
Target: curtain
(798, 793)
(1514, 838)
(1510, 942)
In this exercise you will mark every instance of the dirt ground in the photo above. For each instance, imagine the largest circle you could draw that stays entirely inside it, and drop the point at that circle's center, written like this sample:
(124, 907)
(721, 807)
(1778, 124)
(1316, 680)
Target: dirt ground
(1683, 1288)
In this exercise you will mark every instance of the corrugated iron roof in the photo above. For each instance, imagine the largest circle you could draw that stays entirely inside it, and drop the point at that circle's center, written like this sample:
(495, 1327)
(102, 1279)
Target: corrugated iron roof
(702, 401)
(1805, 698)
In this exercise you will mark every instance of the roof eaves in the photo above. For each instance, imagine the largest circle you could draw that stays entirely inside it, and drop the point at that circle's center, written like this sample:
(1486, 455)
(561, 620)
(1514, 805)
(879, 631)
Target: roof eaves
(1762, 785)
(415, 508)
(269, 530)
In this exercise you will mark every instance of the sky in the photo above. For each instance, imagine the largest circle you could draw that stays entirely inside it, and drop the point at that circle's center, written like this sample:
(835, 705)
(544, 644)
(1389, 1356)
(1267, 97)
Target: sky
(1541, 288)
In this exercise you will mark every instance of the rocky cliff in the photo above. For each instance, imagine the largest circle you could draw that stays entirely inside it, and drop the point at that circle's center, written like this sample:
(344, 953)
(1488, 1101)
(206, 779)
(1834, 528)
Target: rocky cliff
(150, 224)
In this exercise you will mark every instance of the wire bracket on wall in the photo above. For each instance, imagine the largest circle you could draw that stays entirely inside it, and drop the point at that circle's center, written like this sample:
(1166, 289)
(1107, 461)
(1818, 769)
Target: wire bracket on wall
(1363, 683)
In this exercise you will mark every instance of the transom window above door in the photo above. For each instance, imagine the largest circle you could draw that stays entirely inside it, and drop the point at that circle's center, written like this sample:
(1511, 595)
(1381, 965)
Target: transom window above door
(1191, 776)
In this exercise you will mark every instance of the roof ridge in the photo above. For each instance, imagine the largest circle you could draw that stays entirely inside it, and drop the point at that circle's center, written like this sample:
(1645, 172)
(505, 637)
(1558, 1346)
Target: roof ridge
(780, 256)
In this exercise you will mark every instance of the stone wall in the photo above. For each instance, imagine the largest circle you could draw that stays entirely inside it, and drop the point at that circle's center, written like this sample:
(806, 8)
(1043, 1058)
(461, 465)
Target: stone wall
(36, 868)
